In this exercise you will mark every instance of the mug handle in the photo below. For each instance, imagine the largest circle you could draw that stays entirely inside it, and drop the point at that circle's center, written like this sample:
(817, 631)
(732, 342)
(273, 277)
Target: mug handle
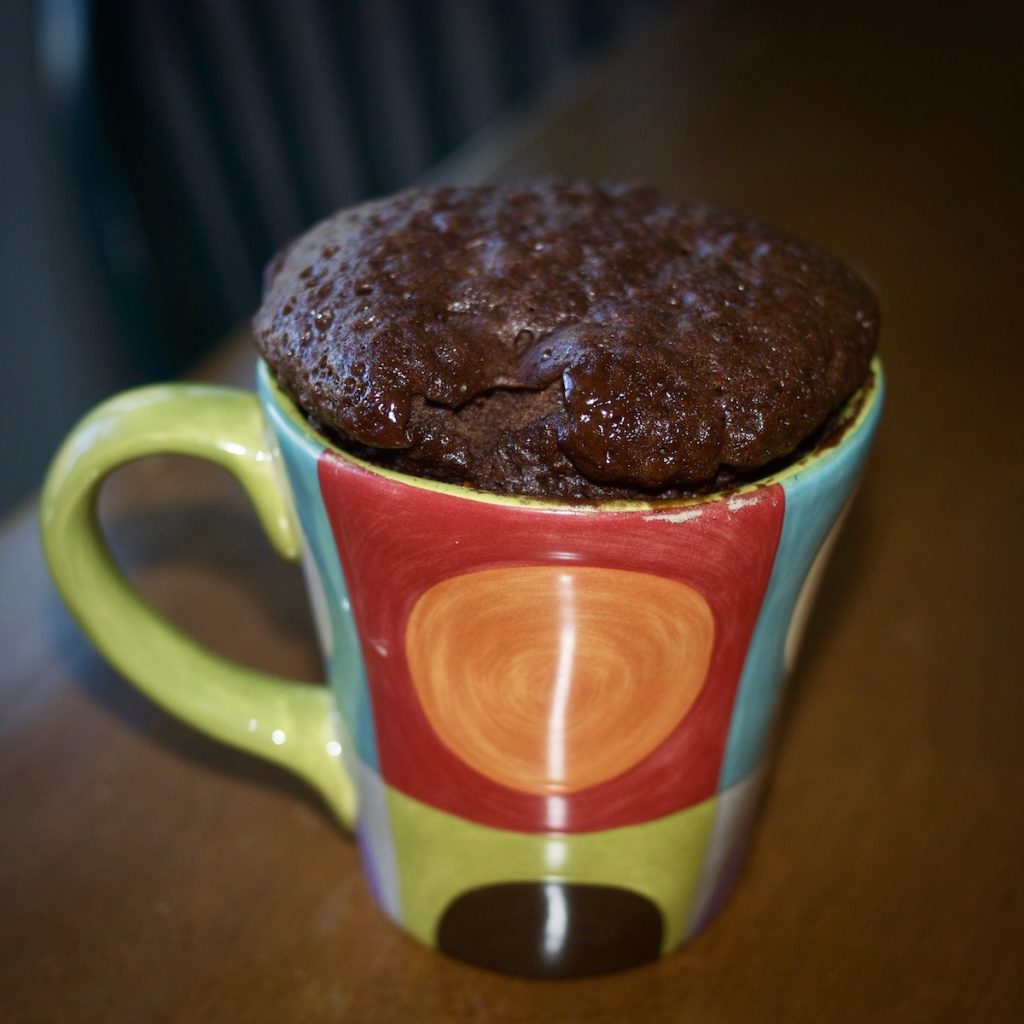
(287, 722)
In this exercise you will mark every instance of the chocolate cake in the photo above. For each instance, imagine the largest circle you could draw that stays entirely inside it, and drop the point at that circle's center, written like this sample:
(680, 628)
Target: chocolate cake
(564, 340)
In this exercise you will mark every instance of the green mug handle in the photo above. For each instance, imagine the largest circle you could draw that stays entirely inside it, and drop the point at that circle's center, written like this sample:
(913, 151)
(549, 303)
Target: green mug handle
(290, 723)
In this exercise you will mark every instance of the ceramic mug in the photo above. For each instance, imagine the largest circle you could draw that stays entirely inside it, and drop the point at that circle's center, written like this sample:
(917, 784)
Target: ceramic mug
(546, 722)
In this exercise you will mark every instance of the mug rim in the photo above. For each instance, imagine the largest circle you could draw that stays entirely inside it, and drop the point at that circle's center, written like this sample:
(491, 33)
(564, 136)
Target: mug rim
(857, 412)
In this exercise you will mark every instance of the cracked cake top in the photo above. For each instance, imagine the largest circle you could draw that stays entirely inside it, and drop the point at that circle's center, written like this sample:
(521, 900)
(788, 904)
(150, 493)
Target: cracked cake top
(564, 340)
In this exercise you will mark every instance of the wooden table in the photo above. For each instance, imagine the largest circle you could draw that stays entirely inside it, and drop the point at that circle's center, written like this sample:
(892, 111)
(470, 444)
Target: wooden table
(150, 875)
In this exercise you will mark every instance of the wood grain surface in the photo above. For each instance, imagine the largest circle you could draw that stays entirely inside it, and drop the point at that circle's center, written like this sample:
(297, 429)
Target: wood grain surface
(147, 874)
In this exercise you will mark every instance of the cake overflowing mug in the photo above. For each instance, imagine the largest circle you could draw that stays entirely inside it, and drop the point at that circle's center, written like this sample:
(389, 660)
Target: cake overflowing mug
(546, 722)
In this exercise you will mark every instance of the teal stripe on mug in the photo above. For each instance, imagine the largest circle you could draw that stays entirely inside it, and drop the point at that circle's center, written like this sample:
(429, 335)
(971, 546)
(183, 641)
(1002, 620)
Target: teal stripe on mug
(334, 615)
(815, 498)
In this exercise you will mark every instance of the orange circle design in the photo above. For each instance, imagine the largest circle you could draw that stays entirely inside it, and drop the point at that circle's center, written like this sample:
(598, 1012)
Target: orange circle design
(549, 679)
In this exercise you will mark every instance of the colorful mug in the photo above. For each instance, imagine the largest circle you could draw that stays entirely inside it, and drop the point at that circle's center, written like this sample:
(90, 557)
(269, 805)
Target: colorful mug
(546, 722)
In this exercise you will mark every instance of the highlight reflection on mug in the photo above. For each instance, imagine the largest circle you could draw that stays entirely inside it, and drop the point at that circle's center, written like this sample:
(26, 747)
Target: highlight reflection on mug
(552, 679)
(549, 680)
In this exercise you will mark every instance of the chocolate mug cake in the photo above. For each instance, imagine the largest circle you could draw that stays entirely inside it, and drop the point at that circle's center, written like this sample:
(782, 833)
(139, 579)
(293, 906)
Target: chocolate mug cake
(549, 710)
(564, 340)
